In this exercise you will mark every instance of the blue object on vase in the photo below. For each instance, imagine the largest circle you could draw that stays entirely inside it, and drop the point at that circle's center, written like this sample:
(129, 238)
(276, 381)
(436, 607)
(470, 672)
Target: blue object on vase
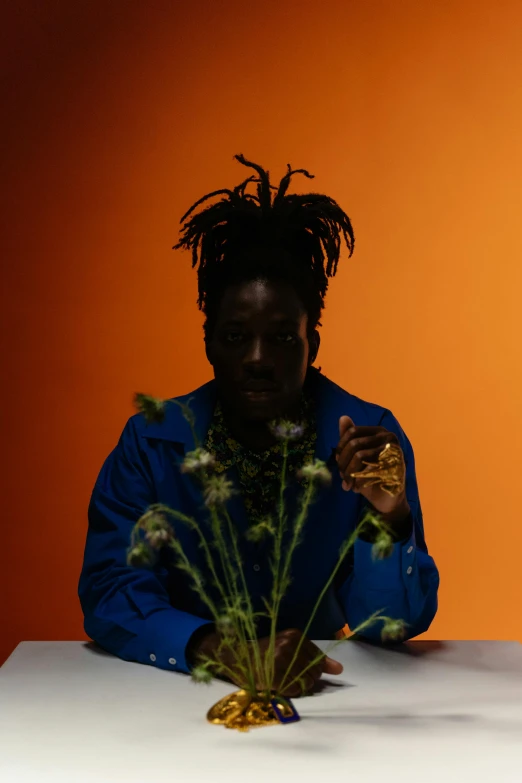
(285, 710)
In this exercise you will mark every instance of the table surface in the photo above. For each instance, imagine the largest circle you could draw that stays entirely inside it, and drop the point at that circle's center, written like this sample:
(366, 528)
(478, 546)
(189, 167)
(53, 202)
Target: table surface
(429, 711)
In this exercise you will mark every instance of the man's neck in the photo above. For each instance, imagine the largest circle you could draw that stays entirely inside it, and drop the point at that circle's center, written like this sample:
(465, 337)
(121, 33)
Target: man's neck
(255, 435)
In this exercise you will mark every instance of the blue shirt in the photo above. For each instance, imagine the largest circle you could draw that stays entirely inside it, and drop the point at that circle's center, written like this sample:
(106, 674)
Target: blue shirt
(149, 615)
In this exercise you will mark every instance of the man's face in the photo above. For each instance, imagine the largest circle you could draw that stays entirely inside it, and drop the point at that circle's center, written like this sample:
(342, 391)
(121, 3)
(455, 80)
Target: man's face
(259, 350)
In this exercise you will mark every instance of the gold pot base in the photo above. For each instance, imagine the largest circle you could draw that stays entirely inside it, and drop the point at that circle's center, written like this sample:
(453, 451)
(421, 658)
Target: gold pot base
(242, 711)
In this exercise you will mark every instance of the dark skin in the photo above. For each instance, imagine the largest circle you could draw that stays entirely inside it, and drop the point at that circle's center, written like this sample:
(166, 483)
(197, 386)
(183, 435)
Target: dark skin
(260, 340)
(260, 350)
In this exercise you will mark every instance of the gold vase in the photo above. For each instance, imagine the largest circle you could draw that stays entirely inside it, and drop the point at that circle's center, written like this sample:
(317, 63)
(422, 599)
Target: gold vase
(242, 711)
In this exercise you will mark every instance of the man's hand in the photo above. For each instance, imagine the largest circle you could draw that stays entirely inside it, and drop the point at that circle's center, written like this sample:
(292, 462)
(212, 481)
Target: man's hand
(285, 645)
(364, 444)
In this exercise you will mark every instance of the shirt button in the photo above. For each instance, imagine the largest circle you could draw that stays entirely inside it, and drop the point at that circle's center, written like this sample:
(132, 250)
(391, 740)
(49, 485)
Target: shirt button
(172, 661)
(409, 570)
(410, 550)
(152, 657)
(257, 567)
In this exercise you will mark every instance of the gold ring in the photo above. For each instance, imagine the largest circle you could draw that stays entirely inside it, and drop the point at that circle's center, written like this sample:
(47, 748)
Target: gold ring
(389, 471)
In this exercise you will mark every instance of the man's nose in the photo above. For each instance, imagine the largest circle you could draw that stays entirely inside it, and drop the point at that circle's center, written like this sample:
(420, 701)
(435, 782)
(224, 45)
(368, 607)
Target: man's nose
(257, 353)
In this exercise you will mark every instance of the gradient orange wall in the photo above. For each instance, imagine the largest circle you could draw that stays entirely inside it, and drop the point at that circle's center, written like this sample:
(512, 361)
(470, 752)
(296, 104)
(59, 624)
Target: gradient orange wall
(119, 115)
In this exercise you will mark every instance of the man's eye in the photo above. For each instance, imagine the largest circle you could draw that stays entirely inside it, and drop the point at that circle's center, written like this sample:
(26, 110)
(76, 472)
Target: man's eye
(233, 337)
(286, 337)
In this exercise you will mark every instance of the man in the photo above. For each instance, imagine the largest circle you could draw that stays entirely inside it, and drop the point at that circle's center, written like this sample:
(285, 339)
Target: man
(263, 269)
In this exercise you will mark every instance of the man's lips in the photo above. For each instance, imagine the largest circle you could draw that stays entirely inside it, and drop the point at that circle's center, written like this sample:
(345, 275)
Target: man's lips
(258, 395)
(259, 387)
(262, 394)
(258, 391)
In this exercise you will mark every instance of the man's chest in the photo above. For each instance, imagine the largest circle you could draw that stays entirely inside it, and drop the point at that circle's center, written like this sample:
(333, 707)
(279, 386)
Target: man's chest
(330, 519)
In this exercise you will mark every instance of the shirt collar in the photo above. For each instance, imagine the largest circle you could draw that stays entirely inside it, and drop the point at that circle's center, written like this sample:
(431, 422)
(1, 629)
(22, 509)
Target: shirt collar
(175, 427)
(330, 404)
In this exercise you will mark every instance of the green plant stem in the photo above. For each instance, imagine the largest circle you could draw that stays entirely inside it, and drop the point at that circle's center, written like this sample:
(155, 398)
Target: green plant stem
(344, 551)
(249, 613)
(230, 577)
(241, 653)
(187, 566)
(278, 542)
(228, 572)
(189, 418)
(370, 621)
(198, 587)
(222, 668)
(190, 522)
(298, 526)
(284, 576)
(232, 587)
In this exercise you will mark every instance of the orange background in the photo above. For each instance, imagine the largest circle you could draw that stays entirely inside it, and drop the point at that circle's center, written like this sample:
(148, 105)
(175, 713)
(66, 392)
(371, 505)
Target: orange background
(118, 116)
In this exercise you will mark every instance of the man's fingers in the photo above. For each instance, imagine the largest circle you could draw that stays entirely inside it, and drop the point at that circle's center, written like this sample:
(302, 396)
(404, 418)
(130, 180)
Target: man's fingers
(308, 652)
(352, 454)
(353, 432)
(345, 422)
(330, 666)
(304, 685)
(359, 459)
(306, 682)
(356, 465)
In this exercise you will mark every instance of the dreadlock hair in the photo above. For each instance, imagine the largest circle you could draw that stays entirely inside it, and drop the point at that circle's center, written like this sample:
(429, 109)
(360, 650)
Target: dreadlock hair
(245, 237)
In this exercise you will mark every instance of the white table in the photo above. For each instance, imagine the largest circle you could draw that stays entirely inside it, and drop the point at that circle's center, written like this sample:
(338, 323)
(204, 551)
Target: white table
(444, 712)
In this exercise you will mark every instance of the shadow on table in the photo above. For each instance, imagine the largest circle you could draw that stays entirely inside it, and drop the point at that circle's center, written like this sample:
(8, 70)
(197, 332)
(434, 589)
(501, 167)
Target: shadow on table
(330, 686)
(97, 650)
(408, 722)
(470, 655)
(413, 649)
(399, 719)
(326, 741)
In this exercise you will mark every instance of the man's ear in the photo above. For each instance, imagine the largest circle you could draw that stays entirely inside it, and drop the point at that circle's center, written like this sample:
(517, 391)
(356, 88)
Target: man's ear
(314, 343)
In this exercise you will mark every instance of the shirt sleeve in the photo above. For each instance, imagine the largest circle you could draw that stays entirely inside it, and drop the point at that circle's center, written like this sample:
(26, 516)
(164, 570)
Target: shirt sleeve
(127, 610)
(403, 586)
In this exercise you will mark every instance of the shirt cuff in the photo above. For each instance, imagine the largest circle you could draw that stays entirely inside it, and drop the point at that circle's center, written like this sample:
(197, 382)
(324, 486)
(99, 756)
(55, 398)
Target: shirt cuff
(163, 640)
(400, 531)
(396, 571)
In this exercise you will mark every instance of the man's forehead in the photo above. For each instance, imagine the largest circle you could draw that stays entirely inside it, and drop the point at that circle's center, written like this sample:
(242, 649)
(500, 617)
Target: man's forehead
(278, 300)
(275, 317)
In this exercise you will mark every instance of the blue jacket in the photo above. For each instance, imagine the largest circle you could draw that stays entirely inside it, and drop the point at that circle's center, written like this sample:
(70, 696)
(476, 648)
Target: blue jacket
(149, 615)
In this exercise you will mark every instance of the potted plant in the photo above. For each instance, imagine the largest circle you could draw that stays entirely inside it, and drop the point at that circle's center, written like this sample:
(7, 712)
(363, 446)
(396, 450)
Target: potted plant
(258, 702)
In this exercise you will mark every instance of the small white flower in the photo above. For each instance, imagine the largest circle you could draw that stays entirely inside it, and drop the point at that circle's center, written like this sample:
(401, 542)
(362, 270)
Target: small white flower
(383, 546)
(197, 460)
(261, 530)
(155, 526)
(316, 471)
(153, 408)
(152, 518)
(225, 625)
(393, 630)
(201, 674)
(217, 491)
(139, 555)
(157, 538)
(287, 430)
